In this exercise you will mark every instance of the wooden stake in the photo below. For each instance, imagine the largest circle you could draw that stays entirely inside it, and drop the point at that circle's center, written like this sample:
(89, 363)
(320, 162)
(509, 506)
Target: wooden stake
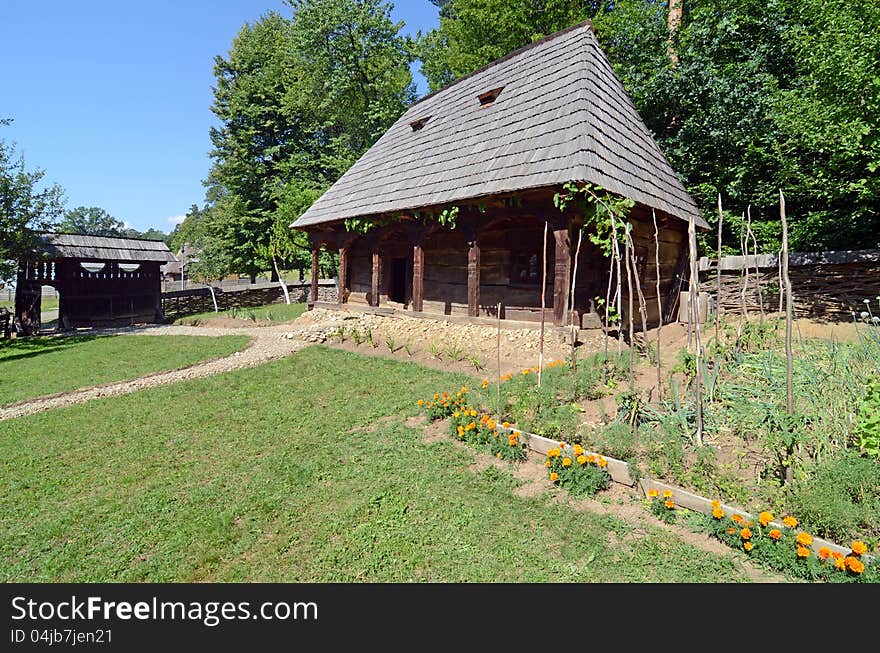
(718, 277)
(543, 306)
(751, 234)
(618, 293)
(659, 301)
(498, 360)
(694, 295)
(571, 307)
(789, 358)
(629, 312)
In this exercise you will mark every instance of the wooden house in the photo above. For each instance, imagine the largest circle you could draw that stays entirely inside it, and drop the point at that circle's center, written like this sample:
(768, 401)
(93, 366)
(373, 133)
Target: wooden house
(101, 281)
(494, 147)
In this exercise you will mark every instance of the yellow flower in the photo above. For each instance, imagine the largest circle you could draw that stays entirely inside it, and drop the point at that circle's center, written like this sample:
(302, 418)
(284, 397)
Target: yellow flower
(803, 552)
(602, 462)
(554, 476)
(578, 450)
(511, 440)
(669, 503)
(775, 534)
(854, 564)
(653, 493)
(790, 521)
(547, 463)
(566, 462)
(859, 547)
(717, 513)
(463, 390)
(490, 424)
(436, 395)
(824, 553)
(505, 424)
(804, 539)
(715, 504)
(746, 534)
(667, 494)
(473, 413)
(421, 402)
(839, 563)
(485, 383)
(582, 459)
(765, 518)
(737, 518)
(525, 372)
(498, 455)
(456, 414)
(747, 546)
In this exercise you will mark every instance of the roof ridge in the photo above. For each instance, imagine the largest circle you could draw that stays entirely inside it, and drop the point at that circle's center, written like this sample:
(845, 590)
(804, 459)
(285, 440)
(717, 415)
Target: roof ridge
(70, 233)
(510, 55)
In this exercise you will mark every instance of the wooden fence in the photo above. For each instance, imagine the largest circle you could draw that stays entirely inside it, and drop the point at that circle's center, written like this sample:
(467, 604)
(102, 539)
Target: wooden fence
(179, 303)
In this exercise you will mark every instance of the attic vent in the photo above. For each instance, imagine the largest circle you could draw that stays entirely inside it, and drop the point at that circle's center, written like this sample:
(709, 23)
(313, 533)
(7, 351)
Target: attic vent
(418, 124)
(489, 97)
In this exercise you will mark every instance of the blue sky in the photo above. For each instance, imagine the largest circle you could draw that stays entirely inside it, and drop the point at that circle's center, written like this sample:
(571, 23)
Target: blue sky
(112, 99)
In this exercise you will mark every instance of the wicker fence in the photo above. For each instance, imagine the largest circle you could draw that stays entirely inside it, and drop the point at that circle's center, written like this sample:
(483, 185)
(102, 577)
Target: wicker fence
(829, 285)
(179, 303)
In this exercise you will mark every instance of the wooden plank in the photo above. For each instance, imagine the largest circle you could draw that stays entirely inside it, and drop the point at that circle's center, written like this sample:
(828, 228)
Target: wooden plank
(562, 271)
(418, 277)
(342, 296)
(313, 296)
(473, 279)
(618, 469)
(374, 280)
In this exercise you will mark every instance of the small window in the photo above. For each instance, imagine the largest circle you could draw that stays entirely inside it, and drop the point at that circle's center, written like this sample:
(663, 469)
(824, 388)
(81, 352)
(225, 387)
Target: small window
(489, 97)
(92, 267)
(418, 124)
(129, 267)
(526, 269)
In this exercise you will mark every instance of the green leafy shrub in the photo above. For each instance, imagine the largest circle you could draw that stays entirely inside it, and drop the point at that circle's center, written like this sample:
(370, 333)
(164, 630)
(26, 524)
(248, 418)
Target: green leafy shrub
(615, 439)
(841, 497)
(868, 428)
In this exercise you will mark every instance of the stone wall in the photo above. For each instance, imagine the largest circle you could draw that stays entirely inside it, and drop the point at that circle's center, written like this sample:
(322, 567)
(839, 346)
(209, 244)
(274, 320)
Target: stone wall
(180, 303)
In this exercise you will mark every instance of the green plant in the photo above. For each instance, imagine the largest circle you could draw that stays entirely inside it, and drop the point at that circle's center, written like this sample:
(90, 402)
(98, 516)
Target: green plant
(340, 334)
(356, 336)
(435, 351)
(581, 474)
(390, 343)
(616, 439)
(475, 361)
(662, 506)
(407, 349)
(455, 353)
(867, 431)
(370, 339)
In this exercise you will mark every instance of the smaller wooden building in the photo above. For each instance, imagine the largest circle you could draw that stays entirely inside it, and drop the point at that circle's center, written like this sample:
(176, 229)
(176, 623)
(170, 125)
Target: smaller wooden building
(101, 281)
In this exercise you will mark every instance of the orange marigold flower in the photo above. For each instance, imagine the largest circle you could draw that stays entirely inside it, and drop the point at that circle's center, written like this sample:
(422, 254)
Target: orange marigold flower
(737, 518)
(840, 563)
(854, 564)
(485, 383)
(669, 503)
(601, 462)
(566, 462)
(765, 518)
(747, 546)
(837, 555)
(505, 424)
(824, 553)
(715, 504)
(421, 402)
(859, 547)
(562, 445)
(473, 413)
(547, 463)
(667, 493)
(436, 395)
(717, 513)
(731, 531)
(578, 450)
(653, 493)
(582, 459)
(512, 441)
(804, 539)
(554, 476)
(775, 534)
(803, 552)
(490, 424)
(525, 372)
(591, 459)
(746, 534)
(790, 521)
(463, 389)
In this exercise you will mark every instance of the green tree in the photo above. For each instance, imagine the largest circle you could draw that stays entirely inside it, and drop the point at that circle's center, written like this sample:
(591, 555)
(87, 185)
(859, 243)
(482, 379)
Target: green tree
(91, 221)
(25, 207)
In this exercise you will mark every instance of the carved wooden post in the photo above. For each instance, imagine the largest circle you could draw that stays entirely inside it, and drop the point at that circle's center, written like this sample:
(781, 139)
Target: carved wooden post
(342, 293)
(473, 277)
(562, 259)
(418, 277)
(313, 296)
(374, 287)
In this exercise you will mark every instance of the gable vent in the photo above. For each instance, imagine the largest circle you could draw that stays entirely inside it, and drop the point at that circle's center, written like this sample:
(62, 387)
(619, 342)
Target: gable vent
(418, 124)
(489, 97)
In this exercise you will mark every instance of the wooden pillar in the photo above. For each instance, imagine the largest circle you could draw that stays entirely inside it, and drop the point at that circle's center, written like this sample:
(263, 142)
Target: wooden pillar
(313, 296)
(374, 286)
(418, 277)
(562, 257)
(473, 278)
(342, 297)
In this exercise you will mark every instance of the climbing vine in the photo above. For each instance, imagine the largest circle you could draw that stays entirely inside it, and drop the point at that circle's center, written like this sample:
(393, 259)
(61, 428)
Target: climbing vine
(609, 214)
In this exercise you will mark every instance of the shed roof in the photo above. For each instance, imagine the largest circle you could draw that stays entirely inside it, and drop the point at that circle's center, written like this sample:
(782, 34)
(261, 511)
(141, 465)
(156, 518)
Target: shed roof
(103, 248)
(562, 115)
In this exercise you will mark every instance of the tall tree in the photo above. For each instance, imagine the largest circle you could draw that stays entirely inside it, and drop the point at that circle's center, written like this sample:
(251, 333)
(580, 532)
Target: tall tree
(25, 207)
(91, 221)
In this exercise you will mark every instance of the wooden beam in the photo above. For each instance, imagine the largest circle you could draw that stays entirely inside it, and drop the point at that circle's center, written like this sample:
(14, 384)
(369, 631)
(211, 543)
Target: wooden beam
(473, 279)
(374, 286)
(313, 295)
(561, 276)
(342, 297)
(418, 276)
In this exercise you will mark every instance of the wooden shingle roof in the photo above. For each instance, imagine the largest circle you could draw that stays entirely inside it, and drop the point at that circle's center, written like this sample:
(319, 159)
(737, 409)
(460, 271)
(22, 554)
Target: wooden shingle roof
(562, 115)
(103, 248)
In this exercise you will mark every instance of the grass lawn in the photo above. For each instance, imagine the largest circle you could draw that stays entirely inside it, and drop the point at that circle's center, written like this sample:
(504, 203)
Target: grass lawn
(32, 367)
(267, 313)
(48, 304)
(273, 474)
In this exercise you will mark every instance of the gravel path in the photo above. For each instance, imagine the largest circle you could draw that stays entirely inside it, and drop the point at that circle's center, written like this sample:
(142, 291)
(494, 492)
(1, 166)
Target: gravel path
(268, 343)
